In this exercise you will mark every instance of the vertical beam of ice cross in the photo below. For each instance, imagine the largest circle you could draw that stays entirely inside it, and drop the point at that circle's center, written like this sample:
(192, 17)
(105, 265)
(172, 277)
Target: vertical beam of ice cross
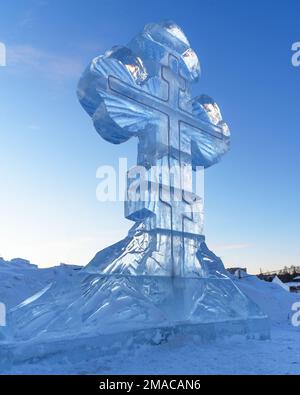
(178, 209)
(175, 115)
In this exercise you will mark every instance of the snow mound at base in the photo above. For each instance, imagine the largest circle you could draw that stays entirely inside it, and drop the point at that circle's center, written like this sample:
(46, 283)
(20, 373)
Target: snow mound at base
(19, 279)
(272, 299)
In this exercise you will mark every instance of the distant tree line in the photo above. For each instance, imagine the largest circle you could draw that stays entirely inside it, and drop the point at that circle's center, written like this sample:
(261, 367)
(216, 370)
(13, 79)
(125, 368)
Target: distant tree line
(287, 274)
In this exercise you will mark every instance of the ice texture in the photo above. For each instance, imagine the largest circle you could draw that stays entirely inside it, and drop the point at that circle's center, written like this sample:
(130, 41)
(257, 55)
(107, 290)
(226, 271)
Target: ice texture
(102, 304)
(162, 275)
(143, 90)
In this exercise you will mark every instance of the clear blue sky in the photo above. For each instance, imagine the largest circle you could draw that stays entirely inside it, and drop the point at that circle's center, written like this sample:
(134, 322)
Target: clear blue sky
(49, 151)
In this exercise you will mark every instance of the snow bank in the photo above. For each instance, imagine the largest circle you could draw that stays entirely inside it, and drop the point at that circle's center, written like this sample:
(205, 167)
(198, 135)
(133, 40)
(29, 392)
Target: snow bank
(20, 279)
(273, 300)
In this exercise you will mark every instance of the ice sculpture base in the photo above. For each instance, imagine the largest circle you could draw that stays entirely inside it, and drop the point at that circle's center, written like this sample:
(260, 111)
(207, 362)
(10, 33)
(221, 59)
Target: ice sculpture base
(95, 312)
(94, 315)
(107, 304)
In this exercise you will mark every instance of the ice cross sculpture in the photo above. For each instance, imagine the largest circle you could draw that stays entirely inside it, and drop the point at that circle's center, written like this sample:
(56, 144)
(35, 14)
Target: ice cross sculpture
(144, 90)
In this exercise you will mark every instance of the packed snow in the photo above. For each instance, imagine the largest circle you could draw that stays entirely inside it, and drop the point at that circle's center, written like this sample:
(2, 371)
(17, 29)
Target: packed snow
(19, 279)
(178, 355)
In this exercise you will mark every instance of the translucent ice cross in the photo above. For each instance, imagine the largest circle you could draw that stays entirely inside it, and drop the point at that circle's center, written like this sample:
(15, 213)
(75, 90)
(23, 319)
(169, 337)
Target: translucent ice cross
(144, 90)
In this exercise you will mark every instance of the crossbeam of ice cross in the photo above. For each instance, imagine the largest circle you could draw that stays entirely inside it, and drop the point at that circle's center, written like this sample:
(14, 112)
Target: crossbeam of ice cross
(168, 107)
(178, 116)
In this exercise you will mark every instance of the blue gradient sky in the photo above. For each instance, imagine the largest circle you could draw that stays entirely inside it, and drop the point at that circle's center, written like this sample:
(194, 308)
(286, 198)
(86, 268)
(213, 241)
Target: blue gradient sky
(49, 151)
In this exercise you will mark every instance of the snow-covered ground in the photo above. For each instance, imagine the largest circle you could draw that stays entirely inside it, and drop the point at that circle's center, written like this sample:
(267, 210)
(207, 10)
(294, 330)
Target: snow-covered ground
(279, 355)
(19, 279)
